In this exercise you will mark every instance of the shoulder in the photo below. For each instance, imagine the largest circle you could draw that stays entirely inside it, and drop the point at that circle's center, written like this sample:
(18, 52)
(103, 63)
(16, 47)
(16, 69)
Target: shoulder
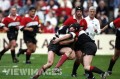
(86, 18)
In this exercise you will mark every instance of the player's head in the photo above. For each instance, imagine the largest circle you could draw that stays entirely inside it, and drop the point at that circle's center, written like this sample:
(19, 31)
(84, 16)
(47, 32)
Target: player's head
(78, 11)
(92, 12)
(74, 27)
(32, 11)
(13, 11)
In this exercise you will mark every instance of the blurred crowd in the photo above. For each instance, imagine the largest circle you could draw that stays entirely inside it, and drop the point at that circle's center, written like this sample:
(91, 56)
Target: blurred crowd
(53, 13)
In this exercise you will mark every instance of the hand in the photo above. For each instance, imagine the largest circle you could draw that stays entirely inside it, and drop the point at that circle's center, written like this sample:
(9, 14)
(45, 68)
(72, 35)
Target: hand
(40, 31)
(17, 27)
(95, 30)
(6, 29)
(55, 41)
(30, 29)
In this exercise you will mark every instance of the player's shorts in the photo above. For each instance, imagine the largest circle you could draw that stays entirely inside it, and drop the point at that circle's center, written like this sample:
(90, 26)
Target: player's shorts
(88, 48)
(56, 48)
(117, 42)
(12, 35)
(28, 39)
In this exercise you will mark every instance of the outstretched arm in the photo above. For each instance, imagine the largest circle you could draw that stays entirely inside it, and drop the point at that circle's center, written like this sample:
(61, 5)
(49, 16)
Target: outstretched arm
(104, 28)
(66, 42)
(66, 36)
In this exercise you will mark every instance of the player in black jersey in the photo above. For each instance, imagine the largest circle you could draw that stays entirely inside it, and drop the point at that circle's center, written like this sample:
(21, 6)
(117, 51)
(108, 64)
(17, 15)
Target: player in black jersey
(88, 48)
(59, 44)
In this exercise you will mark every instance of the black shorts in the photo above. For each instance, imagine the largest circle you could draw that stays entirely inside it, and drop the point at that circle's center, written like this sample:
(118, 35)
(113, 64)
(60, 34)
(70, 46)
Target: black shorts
(12, 35)
(28, 39)
(117, 42)
(56, 48)
(88, 48)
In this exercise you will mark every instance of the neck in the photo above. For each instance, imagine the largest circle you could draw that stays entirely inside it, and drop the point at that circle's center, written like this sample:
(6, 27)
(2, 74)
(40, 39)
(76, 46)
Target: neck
(13, 15)
(80, 17)
(91, 17)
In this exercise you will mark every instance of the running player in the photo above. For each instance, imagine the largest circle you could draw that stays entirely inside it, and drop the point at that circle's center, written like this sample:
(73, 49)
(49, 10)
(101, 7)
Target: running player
(11, 26)
(114, 24)
(30, 26)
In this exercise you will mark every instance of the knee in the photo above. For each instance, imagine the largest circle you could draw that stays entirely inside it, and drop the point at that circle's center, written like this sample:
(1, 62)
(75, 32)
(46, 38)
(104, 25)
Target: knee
(115, 57)
(50, 63)
(33, 50)
(71, 57)
(68, 52)
(87, 68)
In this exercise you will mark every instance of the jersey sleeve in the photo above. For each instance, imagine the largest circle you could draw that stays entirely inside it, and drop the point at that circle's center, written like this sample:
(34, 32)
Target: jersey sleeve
(67, 22)
(83, 23)
(116, 23)
(22, 23)
(73, 35)
(38, 19)
(5, 22)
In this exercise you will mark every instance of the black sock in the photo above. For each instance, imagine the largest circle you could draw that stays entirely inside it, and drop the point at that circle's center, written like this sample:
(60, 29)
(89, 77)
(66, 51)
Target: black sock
(88, 74)
(96, 70)
(3, 51)
(23, 51)
(13, 54)
(28, 57)
(75, 66)
(112, 62)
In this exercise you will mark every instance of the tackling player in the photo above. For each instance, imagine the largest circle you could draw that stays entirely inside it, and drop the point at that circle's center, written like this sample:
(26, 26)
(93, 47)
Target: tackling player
(93, 28)
(59, 45)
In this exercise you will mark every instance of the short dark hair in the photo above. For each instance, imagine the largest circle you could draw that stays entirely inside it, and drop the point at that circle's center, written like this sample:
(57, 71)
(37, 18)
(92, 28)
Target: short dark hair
(32, 8)
(76, 26)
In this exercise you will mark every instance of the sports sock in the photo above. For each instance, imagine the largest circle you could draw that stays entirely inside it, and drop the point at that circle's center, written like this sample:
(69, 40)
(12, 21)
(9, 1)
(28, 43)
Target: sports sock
(75, 66)
(96, 70)
(23, 50)
(3, 51)
(88, 74)
(61, 61)
(112, 62)
(28, 55)
(13, 54)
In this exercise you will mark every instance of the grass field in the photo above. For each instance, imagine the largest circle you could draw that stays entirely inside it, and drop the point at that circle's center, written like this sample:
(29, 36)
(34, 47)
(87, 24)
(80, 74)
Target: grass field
(9, 70)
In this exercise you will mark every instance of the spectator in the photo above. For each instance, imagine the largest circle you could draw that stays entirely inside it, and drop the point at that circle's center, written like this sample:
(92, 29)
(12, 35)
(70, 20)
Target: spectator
(118, 14)
(17, 4)
(1, 18)
(87, 4)
(5, 6)
(48, 28)
(51, 6)
(62, 18)
(25, 8)
(77, 3)
(102, 8)
(52, 18)
(40, 6)
(102, 14)
(116, 7)
(65, 5)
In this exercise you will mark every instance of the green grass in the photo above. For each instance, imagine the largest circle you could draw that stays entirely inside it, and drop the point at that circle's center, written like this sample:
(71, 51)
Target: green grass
(38, 60)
